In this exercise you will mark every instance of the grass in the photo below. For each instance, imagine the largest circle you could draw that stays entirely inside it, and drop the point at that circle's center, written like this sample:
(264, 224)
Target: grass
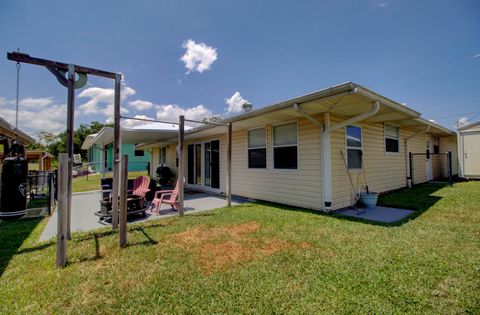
(258, 258)
(83, 183)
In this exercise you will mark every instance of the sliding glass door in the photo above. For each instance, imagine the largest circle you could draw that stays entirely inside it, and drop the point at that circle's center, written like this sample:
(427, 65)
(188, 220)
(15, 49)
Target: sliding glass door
(204, 169)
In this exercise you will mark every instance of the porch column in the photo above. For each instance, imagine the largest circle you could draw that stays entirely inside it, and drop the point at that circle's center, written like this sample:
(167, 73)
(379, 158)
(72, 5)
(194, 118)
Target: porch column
(326, 164)
(102, 160)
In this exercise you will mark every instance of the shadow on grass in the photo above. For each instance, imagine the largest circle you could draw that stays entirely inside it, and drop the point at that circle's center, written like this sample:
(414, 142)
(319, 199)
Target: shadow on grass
(12, 236)
(419, 199)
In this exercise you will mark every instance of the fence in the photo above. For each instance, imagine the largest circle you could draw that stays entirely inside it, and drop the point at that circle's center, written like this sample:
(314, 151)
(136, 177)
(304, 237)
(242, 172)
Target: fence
(428, 166)
(41, 185)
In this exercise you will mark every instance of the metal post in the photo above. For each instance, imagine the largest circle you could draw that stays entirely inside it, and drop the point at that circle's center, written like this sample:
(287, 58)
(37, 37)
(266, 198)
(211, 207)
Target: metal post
(123, 202)
(410, 159)
(181, 168)
(70, 124)
(63, 162)
(449, 165)
(229, 164)
(116, 152)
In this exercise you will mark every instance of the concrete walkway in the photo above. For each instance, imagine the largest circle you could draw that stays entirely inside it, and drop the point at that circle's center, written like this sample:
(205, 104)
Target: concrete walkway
(84, 206)
(379, 214)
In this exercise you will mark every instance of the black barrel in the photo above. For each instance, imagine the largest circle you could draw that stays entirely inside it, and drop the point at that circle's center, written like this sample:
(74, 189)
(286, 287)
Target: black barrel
(14, 188)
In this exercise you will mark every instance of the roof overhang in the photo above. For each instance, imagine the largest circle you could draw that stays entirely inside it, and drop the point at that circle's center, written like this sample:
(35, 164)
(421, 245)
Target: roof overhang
(147, 133)
(472, 125)
(10, 132)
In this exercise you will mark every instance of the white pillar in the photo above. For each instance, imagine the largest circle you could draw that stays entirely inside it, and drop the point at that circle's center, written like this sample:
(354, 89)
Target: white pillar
(102, 160)
(326, 164)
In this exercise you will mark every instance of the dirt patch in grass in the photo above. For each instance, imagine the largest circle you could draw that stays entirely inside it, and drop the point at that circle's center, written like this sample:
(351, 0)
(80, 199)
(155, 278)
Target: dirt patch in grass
(221, 248)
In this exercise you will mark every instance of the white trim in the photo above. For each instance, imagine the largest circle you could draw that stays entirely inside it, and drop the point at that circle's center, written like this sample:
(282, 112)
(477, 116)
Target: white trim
(354, 148)
(202, 162)
(272, 136)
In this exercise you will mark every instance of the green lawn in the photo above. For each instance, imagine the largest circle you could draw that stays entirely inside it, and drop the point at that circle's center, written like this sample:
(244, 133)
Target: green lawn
(92, 182)
(258, 258)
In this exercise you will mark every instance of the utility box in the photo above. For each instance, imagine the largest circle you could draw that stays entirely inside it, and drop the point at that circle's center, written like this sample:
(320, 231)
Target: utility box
(13, 203)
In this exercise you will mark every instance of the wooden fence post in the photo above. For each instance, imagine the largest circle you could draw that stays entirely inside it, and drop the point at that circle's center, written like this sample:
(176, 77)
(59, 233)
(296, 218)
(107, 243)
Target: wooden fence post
(116, 151)
(123, 202)
(62, 209)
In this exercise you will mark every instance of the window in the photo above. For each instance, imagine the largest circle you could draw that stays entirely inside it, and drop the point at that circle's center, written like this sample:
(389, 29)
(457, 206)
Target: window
(436, 144)
(162, 156)
(257, 149)
(139, 153)
(354, 147)
(392, 138)
(285, 147)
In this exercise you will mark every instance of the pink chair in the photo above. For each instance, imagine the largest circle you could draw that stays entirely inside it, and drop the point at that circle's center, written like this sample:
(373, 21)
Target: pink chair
(140, 186)
(168, 197)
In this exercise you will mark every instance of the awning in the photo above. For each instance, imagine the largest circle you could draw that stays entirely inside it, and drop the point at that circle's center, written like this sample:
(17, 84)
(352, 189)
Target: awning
(146, 133)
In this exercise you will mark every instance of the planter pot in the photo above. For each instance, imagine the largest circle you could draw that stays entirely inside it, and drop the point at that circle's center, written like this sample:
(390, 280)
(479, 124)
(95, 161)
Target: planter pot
(369, 200)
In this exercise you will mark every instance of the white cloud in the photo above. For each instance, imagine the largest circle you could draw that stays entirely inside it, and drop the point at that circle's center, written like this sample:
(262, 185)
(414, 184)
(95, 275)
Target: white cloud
(463, 122)
(171, 112)
(35, 114)
(101, 100)
(198, 57)
(141, 105)
(235, 103)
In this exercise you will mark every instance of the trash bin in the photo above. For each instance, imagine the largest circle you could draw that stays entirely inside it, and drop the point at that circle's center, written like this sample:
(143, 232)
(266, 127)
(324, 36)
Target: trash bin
(13, 203)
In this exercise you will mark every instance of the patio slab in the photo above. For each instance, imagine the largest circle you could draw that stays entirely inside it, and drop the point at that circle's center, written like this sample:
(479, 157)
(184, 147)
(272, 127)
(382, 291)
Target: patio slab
(84, 206)
(378, 213)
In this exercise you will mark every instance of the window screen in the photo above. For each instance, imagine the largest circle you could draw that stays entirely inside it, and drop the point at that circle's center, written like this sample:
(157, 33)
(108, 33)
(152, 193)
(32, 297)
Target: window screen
(392, 138)
(285, 147)
(353, 136)
(257, 150)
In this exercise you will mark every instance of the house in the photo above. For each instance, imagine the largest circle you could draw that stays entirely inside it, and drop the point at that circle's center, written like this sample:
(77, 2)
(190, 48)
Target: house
(469, 150)
(315, 151)
(100, 146)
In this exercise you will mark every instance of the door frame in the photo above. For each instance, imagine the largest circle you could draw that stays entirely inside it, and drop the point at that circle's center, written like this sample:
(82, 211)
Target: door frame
(428, 159)
(202, 186)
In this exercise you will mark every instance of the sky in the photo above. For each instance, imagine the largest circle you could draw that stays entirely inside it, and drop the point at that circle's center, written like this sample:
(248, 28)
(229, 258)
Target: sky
(204, 58)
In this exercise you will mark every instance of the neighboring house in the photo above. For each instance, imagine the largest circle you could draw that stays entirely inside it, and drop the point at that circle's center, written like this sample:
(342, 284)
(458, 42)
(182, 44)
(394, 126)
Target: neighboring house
(100, 145)
(100, 153)
(469, 150)
(291, 152)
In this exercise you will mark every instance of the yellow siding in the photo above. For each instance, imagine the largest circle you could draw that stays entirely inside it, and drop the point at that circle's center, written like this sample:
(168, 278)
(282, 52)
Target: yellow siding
(301, 187)
(154, 157)
(383, 171)
(449, 144)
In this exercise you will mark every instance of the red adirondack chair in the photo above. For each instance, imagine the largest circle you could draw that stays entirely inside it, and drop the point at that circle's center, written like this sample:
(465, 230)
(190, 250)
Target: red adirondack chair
(140, 186)
(168, 197)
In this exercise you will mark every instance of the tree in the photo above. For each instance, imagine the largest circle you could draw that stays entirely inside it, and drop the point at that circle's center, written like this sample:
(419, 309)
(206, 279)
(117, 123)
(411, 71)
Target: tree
(56, 143)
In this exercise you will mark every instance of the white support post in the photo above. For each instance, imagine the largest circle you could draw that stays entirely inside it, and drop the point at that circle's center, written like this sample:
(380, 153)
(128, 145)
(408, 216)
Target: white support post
(229, 164)
(181, 160)
(326, 164)
(62, 208)
(102, 161)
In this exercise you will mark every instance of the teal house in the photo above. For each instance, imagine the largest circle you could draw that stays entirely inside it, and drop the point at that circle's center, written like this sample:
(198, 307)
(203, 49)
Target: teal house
(100, 153)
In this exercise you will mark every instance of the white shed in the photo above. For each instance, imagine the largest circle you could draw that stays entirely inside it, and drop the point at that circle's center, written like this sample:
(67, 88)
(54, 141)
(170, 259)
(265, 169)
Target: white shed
(469, 150)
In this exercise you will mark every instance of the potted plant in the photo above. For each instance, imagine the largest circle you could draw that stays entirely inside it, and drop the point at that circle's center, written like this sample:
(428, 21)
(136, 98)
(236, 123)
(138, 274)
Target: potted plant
(368, 198)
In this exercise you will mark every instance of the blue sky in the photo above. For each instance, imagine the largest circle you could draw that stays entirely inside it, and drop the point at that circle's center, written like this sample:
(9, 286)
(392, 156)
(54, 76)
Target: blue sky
(416, 52)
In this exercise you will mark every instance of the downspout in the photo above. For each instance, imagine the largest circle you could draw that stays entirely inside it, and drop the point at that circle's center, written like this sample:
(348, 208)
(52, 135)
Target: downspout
(407, 150)
(42, 161)
(326, 155)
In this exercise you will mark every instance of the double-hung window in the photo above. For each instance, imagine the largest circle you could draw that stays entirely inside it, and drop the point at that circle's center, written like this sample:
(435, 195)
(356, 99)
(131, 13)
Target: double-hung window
(162, 156)
(353, 136)
(257, 149)
(285, 146)
(392, 138)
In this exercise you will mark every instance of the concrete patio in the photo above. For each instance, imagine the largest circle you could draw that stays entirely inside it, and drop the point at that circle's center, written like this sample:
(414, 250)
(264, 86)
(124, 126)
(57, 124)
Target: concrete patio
(378, 214)
(84, 206)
